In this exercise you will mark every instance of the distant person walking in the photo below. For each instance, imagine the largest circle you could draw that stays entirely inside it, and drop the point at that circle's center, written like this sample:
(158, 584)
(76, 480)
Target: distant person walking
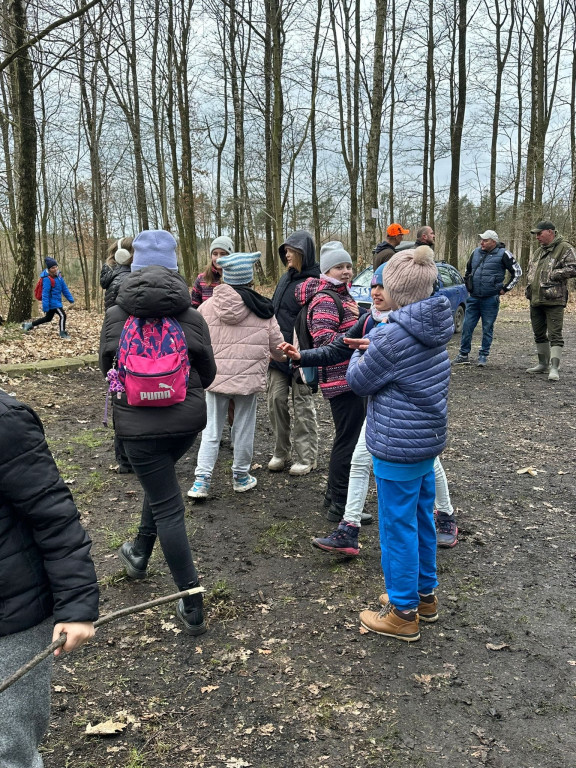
(552, 265)
(53, 288)
(116, 269)
(384, 251)
(484, 277)
(295, 444)
(207, 280)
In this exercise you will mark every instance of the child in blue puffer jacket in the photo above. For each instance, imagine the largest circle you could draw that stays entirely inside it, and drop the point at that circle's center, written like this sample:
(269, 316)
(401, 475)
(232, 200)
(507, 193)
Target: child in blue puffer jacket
(53, 286)
(405, 372)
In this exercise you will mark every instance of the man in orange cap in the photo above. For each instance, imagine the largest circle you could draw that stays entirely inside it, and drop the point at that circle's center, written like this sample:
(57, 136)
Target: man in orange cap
(384, 251)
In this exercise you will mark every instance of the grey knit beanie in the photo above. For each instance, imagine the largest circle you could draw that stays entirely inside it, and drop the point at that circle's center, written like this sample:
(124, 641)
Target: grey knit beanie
(331, 254)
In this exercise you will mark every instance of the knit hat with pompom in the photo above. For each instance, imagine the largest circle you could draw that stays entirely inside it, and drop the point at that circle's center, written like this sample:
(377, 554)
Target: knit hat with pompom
(410, 275)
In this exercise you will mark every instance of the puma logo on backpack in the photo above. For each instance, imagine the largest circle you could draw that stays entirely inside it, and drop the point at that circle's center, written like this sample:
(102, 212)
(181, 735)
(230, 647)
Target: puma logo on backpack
(152, 361)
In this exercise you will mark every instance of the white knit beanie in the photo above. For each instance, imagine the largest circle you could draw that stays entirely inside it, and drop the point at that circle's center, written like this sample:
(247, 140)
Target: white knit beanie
(331, 254)
(223, 242)
(410, 275)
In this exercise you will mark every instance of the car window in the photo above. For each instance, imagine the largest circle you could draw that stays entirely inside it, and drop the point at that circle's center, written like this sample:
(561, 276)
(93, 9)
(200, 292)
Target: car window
(363, 279)
(446, 275)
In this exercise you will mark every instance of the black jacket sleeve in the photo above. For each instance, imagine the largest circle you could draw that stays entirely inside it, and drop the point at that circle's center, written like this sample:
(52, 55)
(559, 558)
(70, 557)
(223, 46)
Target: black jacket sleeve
(31, 486)
(337, 351)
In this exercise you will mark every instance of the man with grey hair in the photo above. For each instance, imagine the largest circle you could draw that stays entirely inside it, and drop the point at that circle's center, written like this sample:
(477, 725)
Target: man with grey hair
(484, 277)
(552, 265)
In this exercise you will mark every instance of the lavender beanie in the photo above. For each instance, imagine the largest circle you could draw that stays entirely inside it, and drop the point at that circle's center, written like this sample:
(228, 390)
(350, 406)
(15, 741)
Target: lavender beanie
(154, 247)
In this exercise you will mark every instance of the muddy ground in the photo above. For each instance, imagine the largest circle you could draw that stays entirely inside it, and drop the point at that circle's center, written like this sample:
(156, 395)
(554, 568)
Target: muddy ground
(284, 677)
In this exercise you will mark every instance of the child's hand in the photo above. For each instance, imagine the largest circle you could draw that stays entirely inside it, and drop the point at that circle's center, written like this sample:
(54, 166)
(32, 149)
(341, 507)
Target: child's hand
(77, 633)
(289, 350)
(361, 344)
(355, 309)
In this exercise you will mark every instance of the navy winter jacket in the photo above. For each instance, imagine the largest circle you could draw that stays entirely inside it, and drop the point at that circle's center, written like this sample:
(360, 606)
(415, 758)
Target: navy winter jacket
(406, 372)
(286, 308)
(52, 294)
(45, 565)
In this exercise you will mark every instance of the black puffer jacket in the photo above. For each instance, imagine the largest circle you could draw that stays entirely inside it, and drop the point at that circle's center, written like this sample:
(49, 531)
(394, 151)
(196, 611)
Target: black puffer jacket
(286, 308)
(159, 292)
(111, 280)
(45, 564)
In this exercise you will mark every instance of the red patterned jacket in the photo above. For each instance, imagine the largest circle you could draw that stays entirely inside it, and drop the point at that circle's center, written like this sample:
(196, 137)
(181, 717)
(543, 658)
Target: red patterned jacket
(201, 291)
(325, 327)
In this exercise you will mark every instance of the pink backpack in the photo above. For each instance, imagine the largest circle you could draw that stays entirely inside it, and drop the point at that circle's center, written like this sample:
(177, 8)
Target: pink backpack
(152, 361)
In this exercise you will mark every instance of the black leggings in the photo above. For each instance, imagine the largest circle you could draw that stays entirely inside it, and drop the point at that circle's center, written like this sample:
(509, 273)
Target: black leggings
(154, 463)
(48, 317)
(348, 413)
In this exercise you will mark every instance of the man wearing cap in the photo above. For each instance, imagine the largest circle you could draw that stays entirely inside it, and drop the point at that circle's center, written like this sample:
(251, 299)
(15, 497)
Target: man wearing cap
(484, 277)
(552, 265)
(384, 251)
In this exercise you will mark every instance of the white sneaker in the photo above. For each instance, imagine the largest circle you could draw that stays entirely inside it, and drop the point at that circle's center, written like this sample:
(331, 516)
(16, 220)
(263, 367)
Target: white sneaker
(276, 464)
(244, 483)
(301, 469)
(200, 488)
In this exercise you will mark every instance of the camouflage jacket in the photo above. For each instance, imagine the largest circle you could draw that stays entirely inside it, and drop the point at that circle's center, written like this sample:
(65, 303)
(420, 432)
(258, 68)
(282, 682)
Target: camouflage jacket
(550, 269)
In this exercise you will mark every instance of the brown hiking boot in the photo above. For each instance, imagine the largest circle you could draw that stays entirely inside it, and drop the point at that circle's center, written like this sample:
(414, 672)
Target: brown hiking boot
(427, 608)
(390, 622)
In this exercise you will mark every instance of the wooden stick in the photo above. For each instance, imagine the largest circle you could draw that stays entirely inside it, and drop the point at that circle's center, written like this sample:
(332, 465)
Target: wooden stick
(104, 620)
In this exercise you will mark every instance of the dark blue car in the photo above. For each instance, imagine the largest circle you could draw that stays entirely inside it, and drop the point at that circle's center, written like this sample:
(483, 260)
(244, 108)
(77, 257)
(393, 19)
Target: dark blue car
(450, 282)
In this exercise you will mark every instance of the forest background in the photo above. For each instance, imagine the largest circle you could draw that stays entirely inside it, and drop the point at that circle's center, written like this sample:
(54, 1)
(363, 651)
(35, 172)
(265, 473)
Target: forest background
(256, 117)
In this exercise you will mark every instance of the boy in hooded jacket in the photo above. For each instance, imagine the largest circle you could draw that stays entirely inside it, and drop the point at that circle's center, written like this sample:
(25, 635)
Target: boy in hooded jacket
(53, 288)
(405, 373)
(244, 335)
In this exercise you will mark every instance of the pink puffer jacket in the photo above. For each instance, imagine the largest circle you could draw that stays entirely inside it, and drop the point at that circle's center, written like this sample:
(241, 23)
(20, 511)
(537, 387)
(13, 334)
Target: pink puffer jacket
(242, 341)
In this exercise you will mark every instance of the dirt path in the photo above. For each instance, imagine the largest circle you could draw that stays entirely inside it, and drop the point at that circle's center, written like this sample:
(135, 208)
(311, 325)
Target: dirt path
(284, 677)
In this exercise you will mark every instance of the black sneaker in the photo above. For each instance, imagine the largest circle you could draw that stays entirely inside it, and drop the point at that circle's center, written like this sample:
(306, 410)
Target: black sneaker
(461, 359)
(446, 530)
(342, 541)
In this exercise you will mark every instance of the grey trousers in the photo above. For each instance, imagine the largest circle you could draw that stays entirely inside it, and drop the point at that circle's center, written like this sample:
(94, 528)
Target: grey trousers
(25, 706)
(303, 445)
(244, 426)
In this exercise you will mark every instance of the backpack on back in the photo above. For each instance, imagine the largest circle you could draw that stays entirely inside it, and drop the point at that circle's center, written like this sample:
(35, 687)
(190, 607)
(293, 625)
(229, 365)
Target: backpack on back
(303, 338)
(152, 361)
(39, 287)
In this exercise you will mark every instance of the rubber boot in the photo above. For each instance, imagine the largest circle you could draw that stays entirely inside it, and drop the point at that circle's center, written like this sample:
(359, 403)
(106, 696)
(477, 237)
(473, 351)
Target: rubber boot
(543, 366)
(135, 556)
(555, 356)
(190, 611)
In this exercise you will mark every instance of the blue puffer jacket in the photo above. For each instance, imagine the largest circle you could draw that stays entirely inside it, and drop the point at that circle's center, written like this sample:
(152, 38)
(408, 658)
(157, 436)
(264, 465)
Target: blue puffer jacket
(406, 371)
(52, 295)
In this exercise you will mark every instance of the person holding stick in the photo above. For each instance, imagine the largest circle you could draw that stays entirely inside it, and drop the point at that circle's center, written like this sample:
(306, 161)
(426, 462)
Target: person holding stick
(48, 580)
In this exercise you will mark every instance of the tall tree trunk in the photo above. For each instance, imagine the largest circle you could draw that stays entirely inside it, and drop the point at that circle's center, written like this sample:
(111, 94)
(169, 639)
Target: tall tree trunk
(25, 150)
(371, 200)
(458, 111)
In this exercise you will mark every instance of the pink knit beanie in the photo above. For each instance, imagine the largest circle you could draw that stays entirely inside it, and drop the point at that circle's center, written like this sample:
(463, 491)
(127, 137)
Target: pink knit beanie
(410, 275)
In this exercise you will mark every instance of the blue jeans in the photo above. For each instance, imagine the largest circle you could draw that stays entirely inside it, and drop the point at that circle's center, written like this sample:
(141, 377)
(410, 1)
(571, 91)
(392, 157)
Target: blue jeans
(407, 538)
(487, 309)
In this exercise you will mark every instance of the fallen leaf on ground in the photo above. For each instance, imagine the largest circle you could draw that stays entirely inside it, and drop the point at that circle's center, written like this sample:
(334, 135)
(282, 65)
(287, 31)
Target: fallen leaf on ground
(497, 647)
(107, 728)
(209, 688)
(528, 471)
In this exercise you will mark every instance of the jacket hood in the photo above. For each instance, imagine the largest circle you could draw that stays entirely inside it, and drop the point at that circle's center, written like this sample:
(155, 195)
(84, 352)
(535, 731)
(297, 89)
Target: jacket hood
(154, 292)
(229, 305)
(301, 241)
(429, 321)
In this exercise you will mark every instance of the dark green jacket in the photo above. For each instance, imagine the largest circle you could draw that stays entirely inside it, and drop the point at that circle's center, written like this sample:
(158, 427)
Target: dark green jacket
(550, 269)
